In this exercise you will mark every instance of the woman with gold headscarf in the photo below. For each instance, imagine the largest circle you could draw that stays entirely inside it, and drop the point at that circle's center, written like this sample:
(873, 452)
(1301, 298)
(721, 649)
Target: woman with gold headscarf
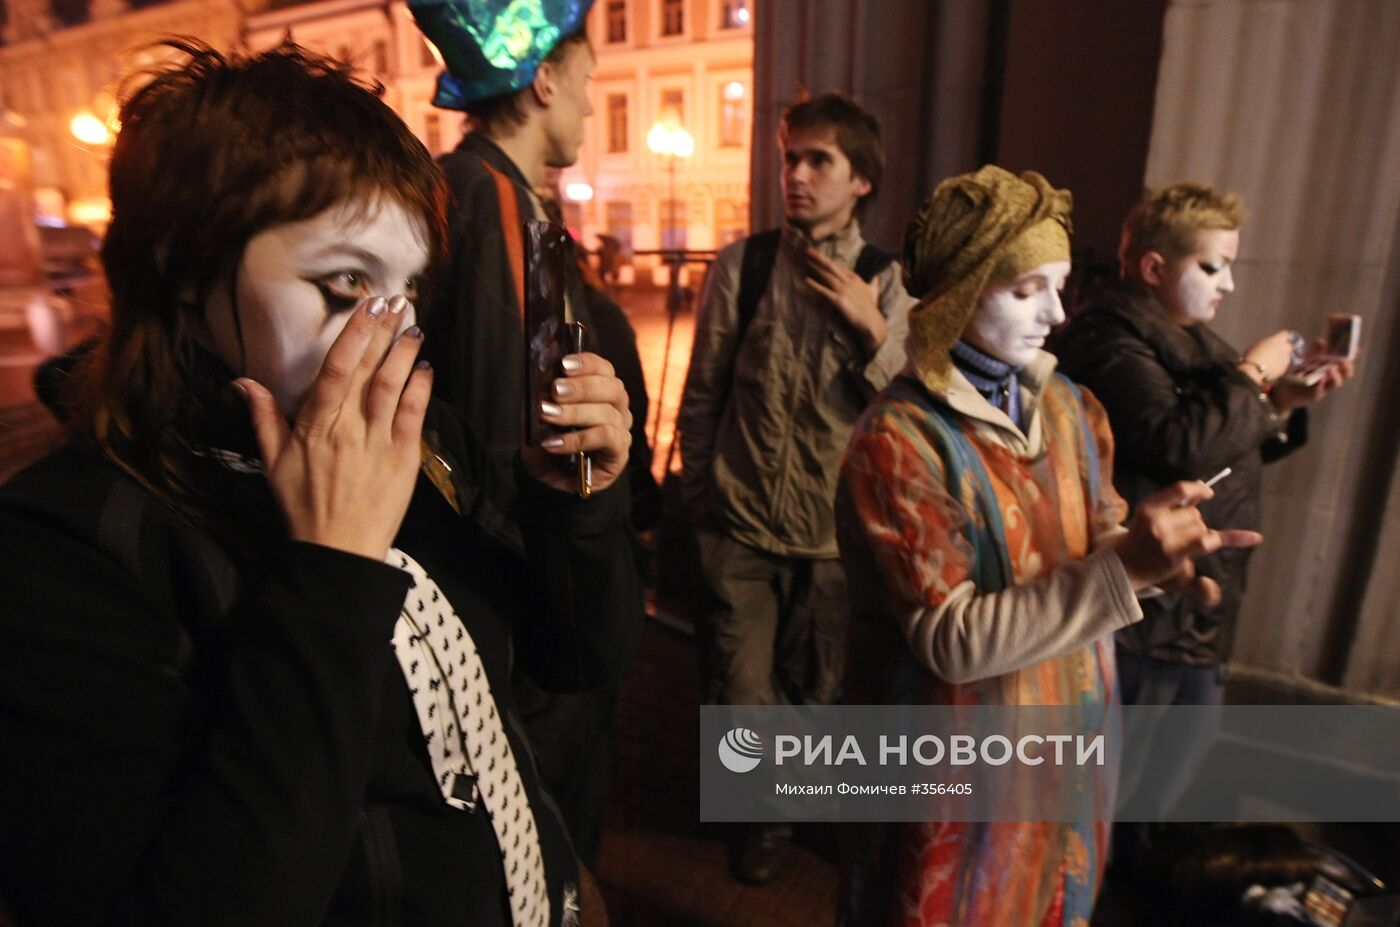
(977, 505)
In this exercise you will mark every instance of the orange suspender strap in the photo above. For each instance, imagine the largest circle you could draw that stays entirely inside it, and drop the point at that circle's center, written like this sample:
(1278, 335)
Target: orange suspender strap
(511, 229)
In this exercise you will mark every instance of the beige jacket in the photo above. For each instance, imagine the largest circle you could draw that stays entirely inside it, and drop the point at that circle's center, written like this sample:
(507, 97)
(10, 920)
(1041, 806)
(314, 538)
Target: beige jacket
(762, 451)
(974, 635)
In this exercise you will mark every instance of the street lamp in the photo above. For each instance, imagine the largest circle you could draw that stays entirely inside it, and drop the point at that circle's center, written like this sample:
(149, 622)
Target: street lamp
(672, 141)
(89, 130)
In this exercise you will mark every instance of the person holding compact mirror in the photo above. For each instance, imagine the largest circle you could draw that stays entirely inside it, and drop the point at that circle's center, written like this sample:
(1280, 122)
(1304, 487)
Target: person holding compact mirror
(1185, 404)
(262, 609)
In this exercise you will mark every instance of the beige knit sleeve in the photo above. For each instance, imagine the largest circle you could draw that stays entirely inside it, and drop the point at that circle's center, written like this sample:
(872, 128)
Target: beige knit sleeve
(973, 635)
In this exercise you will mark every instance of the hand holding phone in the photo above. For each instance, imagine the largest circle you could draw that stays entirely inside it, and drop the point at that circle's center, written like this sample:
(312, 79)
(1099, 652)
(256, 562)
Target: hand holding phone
(1340, 342)
(577, 425)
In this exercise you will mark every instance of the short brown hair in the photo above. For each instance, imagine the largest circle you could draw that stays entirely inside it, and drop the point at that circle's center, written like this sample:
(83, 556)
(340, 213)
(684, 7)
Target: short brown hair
(213, 150)
(507, 110)
(857, 133)
(1167, 220)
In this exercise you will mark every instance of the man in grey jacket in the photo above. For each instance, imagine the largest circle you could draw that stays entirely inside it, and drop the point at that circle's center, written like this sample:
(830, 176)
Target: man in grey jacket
(798, 328)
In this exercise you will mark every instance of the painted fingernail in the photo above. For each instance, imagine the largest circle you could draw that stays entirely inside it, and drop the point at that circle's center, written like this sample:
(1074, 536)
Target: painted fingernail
(397, 304)
(422, 365)
(377, 307)
(563, 388)
(552, 442)
(572, 363)
(243, 390)
(550, 409)
(413, 331)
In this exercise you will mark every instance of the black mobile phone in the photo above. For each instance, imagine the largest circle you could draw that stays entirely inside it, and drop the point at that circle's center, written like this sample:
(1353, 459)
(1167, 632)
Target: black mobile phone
(548, 249)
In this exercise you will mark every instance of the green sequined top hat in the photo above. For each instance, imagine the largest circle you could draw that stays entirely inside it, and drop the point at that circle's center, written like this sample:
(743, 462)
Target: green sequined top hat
(492, 47)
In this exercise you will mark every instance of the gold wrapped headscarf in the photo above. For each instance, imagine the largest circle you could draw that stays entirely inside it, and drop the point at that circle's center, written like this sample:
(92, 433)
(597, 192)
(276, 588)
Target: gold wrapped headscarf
(975, 230)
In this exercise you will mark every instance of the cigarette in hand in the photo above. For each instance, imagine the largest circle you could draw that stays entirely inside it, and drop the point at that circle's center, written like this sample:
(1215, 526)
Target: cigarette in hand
(1209, 483)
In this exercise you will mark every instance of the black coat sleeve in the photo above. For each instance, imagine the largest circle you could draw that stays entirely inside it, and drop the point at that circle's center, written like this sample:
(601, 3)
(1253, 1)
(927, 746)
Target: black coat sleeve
(584, 614)
(580, 614)
(473, 322)
(133, 793)
(1167, 425)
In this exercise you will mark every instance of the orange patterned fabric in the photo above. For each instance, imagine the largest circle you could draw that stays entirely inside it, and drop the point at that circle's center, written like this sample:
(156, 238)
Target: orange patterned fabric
(919, 537)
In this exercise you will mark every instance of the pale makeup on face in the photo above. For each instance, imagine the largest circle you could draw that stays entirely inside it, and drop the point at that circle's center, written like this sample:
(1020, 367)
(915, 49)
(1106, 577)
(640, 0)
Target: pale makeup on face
(298, 283)
(820, 193)
(1013, 319)
(1193, 286)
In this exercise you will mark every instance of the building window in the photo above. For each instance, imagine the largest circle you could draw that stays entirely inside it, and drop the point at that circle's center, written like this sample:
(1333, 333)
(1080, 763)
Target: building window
(731, 221)
(617, 215)
(673, 17)
(617, 122)
(673, 106)
(380, 53)
(617, 21)
(733, 14)
(433, 133)
(732, 128)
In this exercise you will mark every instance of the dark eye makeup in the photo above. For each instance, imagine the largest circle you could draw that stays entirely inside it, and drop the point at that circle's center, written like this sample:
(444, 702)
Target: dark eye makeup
(342, 290)
(1210, 268)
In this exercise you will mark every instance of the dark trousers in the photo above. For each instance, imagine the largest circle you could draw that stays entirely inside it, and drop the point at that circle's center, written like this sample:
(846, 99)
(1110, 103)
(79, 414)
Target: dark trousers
(571, 738)
(772, 629)
(1158, 770)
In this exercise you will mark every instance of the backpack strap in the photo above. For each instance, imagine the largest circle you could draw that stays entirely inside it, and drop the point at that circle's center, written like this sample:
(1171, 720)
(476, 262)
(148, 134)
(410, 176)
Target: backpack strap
(760, 253)
(872, 261)
(512, 230)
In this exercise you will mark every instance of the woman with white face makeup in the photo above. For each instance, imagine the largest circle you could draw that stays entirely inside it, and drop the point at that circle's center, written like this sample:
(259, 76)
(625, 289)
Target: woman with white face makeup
(1185, 403)
(261, 610)
(977, 510)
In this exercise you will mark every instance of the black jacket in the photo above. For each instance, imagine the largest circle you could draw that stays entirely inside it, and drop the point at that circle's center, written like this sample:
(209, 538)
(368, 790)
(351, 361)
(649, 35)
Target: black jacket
(474, 332)
(217, 732)
(1180, 410)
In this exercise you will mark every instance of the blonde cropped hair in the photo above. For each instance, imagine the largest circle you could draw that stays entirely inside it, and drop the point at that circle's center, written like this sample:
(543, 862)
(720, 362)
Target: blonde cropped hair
(1167, 221)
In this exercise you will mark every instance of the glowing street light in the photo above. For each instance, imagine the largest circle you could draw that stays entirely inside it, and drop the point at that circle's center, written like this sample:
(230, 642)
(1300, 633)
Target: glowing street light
(673, 141)
(578, 192)
(90, 130)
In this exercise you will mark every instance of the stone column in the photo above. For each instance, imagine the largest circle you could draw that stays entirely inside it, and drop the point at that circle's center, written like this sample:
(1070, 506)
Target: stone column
(1294, 103)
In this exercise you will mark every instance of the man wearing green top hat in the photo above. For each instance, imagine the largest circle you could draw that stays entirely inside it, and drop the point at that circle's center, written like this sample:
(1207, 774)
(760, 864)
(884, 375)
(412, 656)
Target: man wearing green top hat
(520, 71)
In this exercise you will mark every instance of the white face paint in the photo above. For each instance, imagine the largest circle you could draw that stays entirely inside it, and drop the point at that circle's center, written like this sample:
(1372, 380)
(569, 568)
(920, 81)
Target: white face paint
(1013, 318)
(297, 284)
(1193, 286)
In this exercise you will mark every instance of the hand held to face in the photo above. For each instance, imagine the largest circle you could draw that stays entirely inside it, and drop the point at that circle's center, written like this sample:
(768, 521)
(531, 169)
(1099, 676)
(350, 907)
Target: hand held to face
(590, 399)
(1167, 534)
(344, 471)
